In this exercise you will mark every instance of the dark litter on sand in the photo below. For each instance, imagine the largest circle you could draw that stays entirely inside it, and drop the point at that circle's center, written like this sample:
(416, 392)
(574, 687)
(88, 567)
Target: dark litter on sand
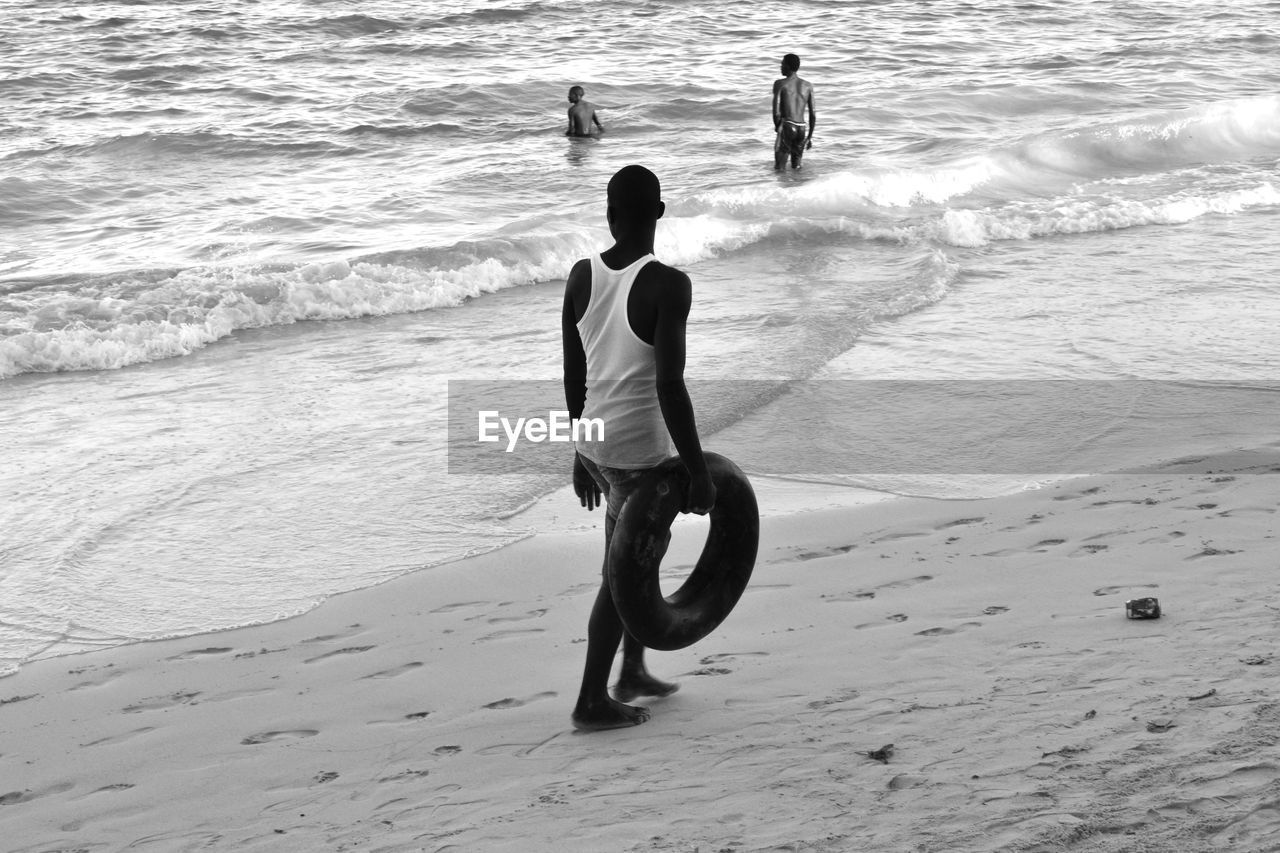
(1142, 608)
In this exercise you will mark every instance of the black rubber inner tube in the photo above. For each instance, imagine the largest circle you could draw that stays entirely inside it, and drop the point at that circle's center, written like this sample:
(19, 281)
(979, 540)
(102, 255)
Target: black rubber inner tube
(640, 540)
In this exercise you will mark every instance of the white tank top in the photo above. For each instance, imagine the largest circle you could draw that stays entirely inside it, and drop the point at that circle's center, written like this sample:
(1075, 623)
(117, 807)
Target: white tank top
(621, 376)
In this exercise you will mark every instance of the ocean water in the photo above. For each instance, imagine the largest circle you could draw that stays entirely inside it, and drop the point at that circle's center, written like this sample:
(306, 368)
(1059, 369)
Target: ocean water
(245, 247)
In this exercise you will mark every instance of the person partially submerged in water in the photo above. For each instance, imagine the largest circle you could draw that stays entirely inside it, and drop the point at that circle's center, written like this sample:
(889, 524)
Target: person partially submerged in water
(792, 98)
(582, 115)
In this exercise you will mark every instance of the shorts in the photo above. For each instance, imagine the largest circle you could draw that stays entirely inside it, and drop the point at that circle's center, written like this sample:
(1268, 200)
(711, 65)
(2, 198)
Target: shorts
(791, 138)
(618, 484)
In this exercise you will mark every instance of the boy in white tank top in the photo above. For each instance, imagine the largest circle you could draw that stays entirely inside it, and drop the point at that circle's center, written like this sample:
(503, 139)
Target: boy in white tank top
(623, 327)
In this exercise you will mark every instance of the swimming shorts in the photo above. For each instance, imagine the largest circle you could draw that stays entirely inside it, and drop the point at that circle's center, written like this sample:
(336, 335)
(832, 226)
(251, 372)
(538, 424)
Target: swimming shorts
(791, 138)
(617, 483)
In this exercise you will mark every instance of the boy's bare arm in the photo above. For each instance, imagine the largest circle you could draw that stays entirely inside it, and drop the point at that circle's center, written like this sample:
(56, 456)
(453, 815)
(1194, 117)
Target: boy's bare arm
(575, 355)
(575, 373)
(675, 296)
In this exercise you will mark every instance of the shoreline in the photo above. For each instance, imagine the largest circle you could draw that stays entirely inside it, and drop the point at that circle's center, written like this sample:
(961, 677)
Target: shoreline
(986, 641)
(552, 514)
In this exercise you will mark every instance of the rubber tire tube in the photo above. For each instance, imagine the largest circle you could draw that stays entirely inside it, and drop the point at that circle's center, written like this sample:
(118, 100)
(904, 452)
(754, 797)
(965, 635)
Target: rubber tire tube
(640, 540)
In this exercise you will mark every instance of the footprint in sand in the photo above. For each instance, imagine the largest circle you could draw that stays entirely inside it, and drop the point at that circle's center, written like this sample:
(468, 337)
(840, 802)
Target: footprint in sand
(959, 522)
(710, 670)
(995, 610)
(349, 650)
(906, 582)
(509, 702)
(1236, 781)
(510, 635)
(839, 697)
(1040, 547)
(119, 786)
(765, 587)
(1076, 495)
(460, 605)
(199, 653)
(893, 617)
(1084, 550)
(268, 737)
(82, 670)
(13, 798)
(161, 702)
(532, 614)
(707, 668)
(399, 670)
(232, 695)
(1171, 536)
(407, 775)
(849, 596)
(107, 677)
(119, 738)
(244, 655)
(940, 632)
(824, 552)
(1211, 551)
(351, 631)
(724, 656)
(1112, 590)
(893, 537)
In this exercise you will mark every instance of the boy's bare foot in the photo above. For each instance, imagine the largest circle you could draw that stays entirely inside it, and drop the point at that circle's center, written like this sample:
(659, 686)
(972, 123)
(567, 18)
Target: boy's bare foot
(608, 715)
(641, 684)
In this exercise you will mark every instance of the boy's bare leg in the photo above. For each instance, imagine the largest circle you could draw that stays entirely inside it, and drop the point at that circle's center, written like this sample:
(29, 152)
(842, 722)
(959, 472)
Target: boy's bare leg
(596, 709)
(635, 679)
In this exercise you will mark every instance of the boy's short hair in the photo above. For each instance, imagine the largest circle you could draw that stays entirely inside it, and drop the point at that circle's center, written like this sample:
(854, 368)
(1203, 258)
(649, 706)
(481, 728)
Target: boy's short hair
(791, 62)
(577, 90)
(635, 193)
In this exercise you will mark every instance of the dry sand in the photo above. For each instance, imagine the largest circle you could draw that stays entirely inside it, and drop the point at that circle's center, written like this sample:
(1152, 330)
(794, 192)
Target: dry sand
(985, 640)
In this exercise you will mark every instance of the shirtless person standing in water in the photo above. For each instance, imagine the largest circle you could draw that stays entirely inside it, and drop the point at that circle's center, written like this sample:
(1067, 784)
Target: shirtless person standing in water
(623, 328)
(581, 115)
(791, 97)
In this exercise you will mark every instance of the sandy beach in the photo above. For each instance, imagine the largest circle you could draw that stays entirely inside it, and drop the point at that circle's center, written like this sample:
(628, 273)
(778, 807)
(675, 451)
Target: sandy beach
(985, 640)
(259, 263)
